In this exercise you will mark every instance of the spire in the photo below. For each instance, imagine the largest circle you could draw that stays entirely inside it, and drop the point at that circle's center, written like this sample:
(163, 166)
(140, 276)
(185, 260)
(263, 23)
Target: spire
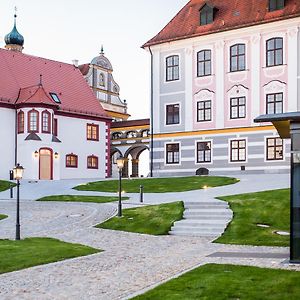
(14, 40)
(102, 50)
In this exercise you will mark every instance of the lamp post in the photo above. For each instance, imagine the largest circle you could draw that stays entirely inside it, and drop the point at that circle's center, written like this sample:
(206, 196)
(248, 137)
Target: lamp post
(18, 174)
(120, 164)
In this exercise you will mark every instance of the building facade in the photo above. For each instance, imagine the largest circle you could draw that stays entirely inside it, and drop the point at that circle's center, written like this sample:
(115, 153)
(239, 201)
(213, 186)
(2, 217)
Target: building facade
(215, 67)
(99, 77)
(51, 122)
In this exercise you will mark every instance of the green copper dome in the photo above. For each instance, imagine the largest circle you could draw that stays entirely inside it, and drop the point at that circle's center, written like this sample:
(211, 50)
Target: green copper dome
(14, 37)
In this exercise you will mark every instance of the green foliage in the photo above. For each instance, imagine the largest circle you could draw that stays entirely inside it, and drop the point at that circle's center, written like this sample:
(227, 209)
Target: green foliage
(223, 282)
(158, 185)
(5, 185)
(71, 198)
(17, 255)
(270, 207)
(2, 217)
(154, 219)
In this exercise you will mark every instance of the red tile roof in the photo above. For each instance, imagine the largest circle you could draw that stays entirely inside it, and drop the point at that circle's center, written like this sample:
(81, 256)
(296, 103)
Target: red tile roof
(21, 73)
(84, 69)
(34, 95)
(231, 14)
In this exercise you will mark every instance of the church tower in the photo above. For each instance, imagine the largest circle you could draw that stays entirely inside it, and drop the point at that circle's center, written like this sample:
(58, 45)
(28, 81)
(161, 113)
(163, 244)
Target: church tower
(14, 40)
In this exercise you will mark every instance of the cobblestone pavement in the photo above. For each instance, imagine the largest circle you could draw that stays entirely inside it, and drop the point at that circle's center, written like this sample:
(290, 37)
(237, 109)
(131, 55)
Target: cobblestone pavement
(130, 264)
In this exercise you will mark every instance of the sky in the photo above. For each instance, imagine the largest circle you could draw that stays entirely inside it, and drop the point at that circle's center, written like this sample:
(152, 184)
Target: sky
(64, 30)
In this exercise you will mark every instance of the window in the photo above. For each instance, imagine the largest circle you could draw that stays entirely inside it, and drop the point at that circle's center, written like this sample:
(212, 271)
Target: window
(71, 161)
(21, 122)
(204, 111)
(274, 103)
(46, 117)
(33, 121)
(274, 149)
(172, 68)
(101, 79)
(237, 58)
(238, 108)
(131, 134)
(206, 15)
(92, 132)
(274, 52)
(204, 63)
(172, 114)
(276, 5)
(172, 156)
(55, 97)
(55, 127)
(145, 133)
(116, 135)
(203, 152)
(237, 150)
(92, 162)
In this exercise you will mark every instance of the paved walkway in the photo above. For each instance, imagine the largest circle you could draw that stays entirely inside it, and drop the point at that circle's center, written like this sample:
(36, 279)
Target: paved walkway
(131, 262)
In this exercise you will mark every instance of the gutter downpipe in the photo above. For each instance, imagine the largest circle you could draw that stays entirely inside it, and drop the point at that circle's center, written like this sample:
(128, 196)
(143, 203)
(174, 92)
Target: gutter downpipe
(151, 118)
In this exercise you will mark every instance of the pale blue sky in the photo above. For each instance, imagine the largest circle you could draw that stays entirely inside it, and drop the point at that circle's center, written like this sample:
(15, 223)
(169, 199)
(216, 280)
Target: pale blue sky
(68, 29)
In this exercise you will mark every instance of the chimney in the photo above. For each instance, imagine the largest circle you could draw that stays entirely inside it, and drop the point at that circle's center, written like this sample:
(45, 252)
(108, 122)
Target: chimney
(75, 62)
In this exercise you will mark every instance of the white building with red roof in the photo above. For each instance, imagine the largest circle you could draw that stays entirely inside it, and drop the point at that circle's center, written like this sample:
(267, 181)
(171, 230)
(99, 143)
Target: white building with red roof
(51, 122)
(215, 67)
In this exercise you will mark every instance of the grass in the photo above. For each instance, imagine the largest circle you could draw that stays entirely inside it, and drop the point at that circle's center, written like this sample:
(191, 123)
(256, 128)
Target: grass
(17, 255)
(5, 185)
(71, 198)
(3, 217)
(223, 282)
(158, 185)
(270, 207)
(154, 219)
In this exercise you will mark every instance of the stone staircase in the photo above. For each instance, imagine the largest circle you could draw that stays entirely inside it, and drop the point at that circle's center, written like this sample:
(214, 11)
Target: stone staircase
(204, 219)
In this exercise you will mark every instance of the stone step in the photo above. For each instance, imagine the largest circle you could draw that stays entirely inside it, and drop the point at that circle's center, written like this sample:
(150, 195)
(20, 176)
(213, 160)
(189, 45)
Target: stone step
(208, 235)
(205, 206)
(204, 229)
(201, 223)
(205, 217)
(214, 203)
(208, 212)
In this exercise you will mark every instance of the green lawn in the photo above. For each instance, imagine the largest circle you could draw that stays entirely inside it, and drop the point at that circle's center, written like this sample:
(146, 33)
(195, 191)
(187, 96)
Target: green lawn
(154, 219)
(270, 207)
(224, 282)
(158, 185)
(4, 185)
(70, 198)
(2, 217)
(17, 255)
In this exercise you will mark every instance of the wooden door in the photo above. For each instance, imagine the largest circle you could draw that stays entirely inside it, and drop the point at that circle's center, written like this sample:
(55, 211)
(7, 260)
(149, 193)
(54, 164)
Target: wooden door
(45, 164)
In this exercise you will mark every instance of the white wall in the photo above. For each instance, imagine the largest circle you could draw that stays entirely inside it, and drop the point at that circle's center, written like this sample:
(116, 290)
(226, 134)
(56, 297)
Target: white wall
(7, 141)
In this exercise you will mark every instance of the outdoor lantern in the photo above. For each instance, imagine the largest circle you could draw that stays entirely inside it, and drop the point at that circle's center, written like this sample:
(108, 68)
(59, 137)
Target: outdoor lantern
(36, 153)
(120, 162)
(18, 172)
(56, 155)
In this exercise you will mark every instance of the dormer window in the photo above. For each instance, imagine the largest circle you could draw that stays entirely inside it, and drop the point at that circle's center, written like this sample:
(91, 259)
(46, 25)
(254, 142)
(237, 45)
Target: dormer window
(55, 98)
(207, 14)
(276, 5)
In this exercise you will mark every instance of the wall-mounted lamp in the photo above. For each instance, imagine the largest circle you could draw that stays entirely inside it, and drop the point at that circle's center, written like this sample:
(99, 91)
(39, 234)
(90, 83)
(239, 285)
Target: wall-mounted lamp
(36, 154)
(56, 155)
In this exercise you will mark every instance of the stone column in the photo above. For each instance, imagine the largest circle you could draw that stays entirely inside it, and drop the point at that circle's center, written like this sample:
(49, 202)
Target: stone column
(135, 168)
(125, 168)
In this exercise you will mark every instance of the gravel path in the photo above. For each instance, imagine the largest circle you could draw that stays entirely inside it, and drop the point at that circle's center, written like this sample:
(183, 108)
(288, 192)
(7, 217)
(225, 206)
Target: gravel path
(131, 263)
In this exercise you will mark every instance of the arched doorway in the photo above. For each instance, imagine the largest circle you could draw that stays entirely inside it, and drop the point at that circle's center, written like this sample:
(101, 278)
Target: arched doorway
(136, 166)
(114, 154)
(46, 164)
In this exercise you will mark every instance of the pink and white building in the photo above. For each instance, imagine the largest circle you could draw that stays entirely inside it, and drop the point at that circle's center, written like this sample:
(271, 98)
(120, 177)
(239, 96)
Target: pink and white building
(215, 67)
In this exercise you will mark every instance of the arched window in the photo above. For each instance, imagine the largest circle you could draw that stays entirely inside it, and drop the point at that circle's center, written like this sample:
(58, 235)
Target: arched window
(46, 122)
(131, 134)
(145, 133)
(101, 79)
(92, 162)
(172, 68)
(204, 63)
(274, 52)
(21, 123)
(71, 161)
(237, 57)
(33, 121)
